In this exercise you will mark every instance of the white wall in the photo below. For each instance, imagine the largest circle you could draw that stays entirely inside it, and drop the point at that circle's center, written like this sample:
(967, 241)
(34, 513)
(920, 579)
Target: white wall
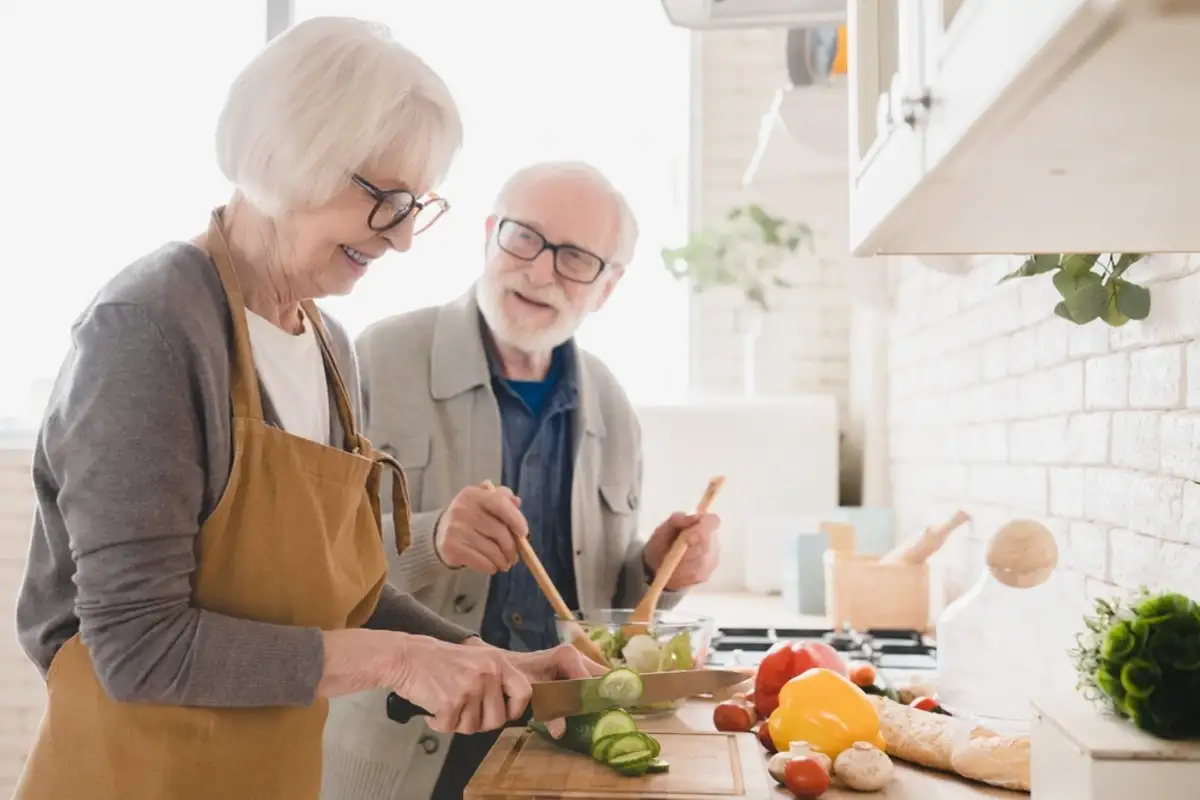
(1000, 406)
(995, 404)
(22, 694)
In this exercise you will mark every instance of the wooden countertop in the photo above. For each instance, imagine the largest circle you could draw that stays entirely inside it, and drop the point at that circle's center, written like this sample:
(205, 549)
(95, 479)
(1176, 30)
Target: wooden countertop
(912, 783)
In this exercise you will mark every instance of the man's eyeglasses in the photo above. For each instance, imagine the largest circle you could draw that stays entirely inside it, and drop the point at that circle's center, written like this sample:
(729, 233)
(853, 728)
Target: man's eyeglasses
(393, 206)
(570, 262)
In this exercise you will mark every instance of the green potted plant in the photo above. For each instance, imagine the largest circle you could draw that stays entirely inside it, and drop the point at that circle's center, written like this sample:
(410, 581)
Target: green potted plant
(1141, 660)
(746, 250)
(1091, 286)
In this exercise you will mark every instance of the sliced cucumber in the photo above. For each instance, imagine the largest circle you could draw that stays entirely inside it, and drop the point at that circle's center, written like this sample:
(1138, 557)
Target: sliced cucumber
(622, 686)
(658, 765)
(612, 722)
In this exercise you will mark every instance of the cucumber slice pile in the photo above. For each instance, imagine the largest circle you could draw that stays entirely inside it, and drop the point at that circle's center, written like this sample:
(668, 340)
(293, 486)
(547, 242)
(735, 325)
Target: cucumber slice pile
(611, 737)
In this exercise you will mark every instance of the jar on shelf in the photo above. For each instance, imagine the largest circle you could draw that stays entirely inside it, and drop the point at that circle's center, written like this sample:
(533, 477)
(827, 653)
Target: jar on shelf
(1006, 639)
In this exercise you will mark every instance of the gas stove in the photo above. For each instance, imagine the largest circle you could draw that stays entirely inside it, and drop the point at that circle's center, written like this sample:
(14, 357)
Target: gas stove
(902, 655)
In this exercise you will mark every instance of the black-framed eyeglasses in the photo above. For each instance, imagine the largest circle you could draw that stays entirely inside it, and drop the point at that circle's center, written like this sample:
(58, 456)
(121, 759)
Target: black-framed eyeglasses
(393, 206)
(572, 263)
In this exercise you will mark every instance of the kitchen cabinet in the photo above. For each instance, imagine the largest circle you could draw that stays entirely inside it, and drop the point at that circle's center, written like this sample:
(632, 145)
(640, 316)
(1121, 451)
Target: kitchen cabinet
(1020, 126)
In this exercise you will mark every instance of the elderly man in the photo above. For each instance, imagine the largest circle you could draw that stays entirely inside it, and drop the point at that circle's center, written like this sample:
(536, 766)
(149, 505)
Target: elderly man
(492, 387)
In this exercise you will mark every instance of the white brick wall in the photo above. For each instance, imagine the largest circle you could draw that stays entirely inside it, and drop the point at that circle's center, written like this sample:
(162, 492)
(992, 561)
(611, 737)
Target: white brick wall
(996, 405)
(22, 694)
(999, 406)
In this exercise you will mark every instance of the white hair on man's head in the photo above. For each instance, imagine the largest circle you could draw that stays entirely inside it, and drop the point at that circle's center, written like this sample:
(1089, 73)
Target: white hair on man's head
(325, 99)
(527, 177)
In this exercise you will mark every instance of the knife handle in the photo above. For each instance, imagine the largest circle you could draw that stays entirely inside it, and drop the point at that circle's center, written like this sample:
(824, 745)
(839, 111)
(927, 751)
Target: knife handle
(401, 710)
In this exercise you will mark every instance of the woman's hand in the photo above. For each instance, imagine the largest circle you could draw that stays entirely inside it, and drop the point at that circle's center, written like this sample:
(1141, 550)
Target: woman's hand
(564, 661)
(466, 689)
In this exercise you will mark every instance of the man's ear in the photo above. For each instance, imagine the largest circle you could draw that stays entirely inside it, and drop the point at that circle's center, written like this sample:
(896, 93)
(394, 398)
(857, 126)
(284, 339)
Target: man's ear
(617, 271)
(489, 225)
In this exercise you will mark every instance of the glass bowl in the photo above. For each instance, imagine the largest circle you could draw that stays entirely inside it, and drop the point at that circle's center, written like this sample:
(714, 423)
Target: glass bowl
(675, 641)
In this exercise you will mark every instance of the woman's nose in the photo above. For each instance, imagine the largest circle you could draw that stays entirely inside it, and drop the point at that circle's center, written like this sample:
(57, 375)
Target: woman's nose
(400, 237)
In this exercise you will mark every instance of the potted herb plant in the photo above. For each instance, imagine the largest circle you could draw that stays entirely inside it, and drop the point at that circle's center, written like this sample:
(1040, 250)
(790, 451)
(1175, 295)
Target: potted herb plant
(1141, 660)
(747, 250)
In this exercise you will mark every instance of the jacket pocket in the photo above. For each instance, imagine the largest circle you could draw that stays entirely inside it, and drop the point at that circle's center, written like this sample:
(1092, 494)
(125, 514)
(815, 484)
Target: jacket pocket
(413, 454)
(619, 498)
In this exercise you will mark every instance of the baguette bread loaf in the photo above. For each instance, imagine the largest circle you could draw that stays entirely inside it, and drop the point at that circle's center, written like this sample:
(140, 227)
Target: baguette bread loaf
(950, 744)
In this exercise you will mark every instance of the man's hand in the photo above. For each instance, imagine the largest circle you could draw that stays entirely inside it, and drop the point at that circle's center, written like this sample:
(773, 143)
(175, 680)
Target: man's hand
(479, 529)
(564, 661)
(703, 551)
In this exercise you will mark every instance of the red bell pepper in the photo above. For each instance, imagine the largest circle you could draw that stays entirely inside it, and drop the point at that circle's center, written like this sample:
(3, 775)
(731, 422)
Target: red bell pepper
(785, 661)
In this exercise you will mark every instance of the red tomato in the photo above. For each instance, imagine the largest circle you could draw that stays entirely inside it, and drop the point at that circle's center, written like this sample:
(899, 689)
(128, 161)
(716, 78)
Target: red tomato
(764, 738)
(784, 662)
(805, 778)
(863, 675)
(924, 704)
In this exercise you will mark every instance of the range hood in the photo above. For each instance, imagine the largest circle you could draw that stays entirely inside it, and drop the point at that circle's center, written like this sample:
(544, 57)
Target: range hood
(708, 14)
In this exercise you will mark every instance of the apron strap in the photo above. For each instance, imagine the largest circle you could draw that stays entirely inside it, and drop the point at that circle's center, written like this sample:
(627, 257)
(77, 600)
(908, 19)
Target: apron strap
(247, 401)
(401, 509)
(341, 396)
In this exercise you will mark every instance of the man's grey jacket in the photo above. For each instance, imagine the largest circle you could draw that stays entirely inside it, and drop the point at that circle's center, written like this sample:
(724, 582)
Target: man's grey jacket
(428, 400)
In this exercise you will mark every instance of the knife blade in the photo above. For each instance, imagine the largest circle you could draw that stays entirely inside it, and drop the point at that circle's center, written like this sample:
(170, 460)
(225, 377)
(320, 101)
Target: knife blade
(553, 699)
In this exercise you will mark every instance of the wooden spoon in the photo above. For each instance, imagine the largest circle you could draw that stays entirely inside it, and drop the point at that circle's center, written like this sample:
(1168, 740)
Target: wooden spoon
(579, 636)
(644, 613)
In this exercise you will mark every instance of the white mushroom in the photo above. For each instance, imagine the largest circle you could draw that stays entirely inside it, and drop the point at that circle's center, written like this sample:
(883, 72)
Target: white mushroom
(864, 767)
(778, 763)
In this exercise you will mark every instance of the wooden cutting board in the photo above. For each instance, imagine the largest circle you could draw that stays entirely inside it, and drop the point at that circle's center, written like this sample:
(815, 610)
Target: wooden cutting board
(704, 766)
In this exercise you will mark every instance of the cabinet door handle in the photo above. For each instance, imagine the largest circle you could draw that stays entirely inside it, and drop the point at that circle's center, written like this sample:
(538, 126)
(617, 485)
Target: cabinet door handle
(915, 110)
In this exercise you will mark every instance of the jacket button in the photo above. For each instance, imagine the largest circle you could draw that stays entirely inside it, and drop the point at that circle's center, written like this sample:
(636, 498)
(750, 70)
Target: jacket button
(463, 604)
(633, 501)
(429, 744)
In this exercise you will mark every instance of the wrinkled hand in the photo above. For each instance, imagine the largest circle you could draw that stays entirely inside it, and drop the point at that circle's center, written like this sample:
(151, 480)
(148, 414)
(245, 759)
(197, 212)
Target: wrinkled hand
(703, 551)
(479, 529)
(466, 689)
(564, 661)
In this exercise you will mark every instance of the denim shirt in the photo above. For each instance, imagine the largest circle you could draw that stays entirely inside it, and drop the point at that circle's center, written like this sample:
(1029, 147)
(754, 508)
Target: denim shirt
(536, 421)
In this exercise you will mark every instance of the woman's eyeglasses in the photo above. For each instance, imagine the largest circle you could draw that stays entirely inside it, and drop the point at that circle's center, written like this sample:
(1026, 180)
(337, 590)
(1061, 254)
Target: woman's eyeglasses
(394, 206)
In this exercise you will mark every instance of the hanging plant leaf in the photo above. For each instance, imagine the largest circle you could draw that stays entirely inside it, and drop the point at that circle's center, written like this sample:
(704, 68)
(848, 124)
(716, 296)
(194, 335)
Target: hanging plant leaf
(1130, 299)
(1034, 265)
(1083, 294)
(1078, 264)
(1112, 313)
(1126, 261)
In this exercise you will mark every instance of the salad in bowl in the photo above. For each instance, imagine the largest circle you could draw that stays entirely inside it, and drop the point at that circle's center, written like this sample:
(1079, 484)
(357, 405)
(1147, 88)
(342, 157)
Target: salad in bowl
(672, 642)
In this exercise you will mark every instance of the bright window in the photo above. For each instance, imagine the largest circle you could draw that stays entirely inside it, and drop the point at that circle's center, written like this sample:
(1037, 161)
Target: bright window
(613, 81)
(106, 152)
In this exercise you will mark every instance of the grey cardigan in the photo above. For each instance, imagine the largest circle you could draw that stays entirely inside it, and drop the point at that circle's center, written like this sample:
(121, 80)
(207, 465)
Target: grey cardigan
(132, 456)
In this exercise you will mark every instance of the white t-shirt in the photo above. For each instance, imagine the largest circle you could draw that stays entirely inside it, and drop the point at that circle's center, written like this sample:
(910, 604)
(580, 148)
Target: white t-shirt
(293, 373)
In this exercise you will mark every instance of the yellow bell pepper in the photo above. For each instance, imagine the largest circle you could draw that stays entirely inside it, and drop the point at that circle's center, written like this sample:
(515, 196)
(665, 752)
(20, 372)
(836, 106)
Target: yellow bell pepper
(826, 710)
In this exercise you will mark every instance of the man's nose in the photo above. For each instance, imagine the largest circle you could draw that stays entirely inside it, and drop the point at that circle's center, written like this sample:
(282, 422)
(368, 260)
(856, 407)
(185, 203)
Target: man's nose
(541, 269)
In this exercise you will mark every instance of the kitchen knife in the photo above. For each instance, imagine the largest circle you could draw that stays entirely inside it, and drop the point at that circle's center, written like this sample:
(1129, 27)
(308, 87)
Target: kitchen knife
(552, 699)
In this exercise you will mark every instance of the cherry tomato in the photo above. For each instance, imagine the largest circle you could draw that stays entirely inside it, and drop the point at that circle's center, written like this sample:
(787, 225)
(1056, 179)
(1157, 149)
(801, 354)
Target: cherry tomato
(805, 778)
(764, 738)
(924, 704)
(785, 661)
(863, 674)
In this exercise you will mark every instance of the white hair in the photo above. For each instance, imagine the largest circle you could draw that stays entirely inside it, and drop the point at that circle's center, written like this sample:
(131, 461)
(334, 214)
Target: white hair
(526, 177)
(325, 99)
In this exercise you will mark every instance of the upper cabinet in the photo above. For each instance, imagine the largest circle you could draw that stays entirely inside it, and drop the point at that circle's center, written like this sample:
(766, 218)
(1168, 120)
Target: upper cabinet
(1024, 126)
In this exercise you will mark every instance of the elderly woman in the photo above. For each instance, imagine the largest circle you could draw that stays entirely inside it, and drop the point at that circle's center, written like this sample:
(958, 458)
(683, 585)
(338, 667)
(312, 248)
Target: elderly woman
(208, 564)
